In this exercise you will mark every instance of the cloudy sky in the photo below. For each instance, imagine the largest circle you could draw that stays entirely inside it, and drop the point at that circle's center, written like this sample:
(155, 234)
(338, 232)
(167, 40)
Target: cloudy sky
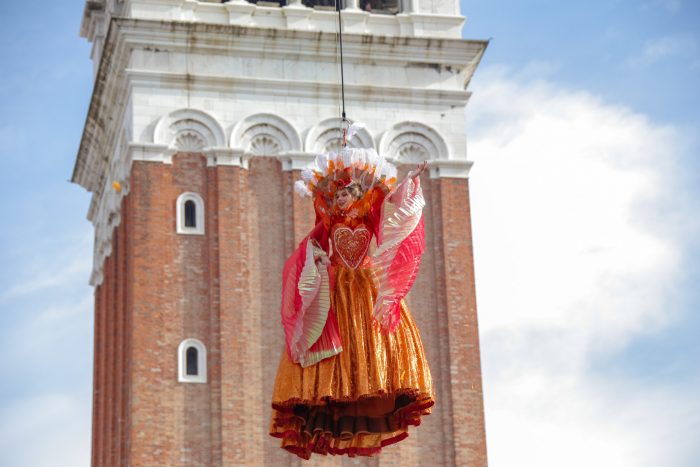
(586, 193)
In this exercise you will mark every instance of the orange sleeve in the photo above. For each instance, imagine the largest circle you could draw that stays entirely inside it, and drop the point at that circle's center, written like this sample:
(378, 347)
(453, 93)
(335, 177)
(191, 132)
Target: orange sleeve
(376, 200)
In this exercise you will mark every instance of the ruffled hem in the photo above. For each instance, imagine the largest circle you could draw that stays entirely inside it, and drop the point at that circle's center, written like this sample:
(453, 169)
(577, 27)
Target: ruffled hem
(303, 435)
(362, 399)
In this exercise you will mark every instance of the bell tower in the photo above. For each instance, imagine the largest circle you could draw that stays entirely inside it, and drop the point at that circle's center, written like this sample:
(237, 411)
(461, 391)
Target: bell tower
(202, 115)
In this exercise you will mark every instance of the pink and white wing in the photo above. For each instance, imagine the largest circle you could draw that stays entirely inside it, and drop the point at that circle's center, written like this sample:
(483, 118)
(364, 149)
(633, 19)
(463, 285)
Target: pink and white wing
(401, 242)
(306, 306)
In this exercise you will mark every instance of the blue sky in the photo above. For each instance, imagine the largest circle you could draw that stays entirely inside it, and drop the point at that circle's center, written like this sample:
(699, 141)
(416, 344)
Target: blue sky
(584, 129)
(643, 53)
(644, 56)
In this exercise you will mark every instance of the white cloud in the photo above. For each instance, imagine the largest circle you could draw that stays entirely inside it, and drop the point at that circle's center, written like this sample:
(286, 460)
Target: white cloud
(16, 138)
(46, 430)
(655, 50)
(672, 6)
(51, 326)
(46, 385)
(46, 329)
(578, 247)
(49, 265)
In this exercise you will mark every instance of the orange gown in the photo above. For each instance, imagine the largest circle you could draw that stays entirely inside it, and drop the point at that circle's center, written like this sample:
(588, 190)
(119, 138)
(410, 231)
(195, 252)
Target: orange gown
(365, 397)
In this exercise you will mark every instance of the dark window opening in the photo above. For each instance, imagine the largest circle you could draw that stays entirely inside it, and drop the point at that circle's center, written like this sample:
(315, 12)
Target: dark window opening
(321, 4)
(266, 2)
(192, 369)
(190, 214)
(386, 7)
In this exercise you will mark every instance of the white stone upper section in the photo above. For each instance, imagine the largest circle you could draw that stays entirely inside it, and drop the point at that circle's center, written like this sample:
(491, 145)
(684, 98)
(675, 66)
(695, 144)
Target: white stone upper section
(234, 92)
(418, 18)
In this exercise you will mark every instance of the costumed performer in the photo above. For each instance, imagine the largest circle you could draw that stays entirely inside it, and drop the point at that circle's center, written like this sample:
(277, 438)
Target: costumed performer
(354, 375)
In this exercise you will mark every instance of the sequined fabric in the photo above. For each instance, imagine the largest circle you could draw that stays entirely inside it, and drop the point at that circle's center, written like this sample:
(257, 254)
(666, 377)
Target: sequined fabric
(349, 245)
(363, 398)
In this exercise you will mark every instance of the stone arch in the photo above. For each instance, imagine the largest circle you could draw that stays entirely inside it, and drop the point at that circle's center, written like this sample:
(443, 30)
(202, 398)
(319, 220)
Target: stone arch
(189, 130)
(265, 134)
(410, 142)
(327, 137)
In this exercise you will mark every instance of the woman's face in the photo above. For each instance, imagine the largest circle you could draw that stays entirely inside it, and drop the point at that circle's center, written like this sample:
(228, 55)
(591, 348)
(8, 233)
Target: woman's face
(343, 198)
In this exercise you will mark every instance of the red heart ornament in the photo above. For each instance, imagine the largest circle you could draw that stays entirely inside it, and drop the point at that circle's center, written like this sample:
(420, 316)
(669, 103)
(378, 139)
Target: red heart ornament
(351, 245)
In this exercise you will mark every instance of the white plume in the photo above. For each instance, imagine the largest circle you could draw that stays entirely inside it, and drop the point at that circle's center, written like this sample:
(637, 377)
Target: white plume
(301, 189)
(354, 128)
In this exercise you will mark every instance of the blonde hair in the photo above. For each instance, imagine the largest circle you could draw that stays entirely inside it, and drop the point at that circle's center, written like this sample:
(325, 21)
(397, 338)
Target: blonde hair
(355, 190)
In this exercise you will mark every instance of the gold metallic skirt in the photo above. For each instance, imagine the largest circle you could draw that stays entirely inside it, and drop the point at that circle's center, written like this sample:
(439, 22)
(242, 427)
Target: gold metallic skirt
(362, 399)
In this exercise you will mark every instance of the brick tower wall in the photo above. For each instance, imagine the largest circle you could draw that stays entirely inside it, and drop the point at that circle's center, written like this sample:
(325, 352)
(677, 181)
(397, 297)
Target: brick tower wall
(223, 288)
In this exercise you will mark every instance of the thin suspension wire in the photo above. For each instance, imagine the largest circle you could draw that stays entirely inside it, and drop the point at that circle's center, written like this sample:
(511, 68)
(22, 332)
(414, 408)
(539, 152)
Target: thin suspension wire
(338, 71)
(343, 119)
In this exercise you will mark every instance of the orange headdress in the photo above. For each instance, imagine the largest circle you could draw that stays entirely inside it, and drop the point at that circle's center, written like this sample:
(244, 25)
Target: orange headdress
(332, 171)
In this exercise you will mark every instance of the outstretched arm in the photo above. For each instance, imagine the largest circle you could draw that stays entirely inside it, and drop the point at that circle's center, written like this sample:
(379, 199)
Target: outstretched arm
(412, 175)
(418, 170)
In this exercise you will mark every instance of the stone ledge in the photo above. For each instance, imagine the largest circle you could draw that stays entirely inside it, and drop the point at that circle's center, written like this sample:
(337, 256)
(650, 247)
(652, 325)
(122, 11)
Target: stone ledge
(298, 16)
(450, 168)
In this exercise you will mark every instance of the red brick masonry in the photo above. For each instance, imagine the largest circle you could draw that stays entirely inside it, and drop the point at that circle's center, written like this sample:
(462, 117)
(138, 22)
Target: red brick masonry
(223, 288)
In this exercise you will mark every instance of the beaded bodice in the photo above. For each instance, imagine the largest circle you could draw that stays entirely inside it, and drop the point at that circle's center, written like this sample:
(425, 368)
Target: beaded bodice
(350, 244)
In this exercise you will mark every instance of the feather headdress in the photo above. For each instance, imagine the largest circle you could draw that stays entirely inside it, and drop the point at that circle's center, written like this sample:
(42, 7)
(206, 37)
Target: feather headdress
(336, 170)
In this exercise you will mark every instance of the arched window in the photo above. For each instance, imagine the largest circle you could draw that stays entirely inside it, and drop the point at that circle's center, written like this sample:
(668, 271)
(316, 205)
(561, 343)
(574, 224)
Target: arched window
(191, 362)
(190, 214)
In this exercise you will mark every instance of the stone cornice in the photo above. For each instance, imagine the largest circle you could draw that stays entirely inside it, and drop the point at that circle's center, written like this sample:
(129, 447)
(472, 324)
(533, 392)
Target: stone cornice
(271, 87)
(450, 168)
(296, 161)
(438, 168)
(100, 130)
(87, 23)
(304, 45)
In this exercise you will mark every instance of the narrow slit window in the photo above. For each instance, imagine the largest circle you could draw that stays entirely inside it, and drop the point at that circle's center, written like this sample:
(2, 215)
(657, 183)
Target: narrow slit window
(190, 214)
(192, 362)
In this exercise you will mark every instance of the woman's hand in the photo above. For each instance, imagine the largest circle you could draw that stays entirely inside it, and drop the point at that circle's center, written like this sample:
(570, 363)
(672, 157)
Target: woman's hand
(412, 175)
(418, 170)
(324, 260)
